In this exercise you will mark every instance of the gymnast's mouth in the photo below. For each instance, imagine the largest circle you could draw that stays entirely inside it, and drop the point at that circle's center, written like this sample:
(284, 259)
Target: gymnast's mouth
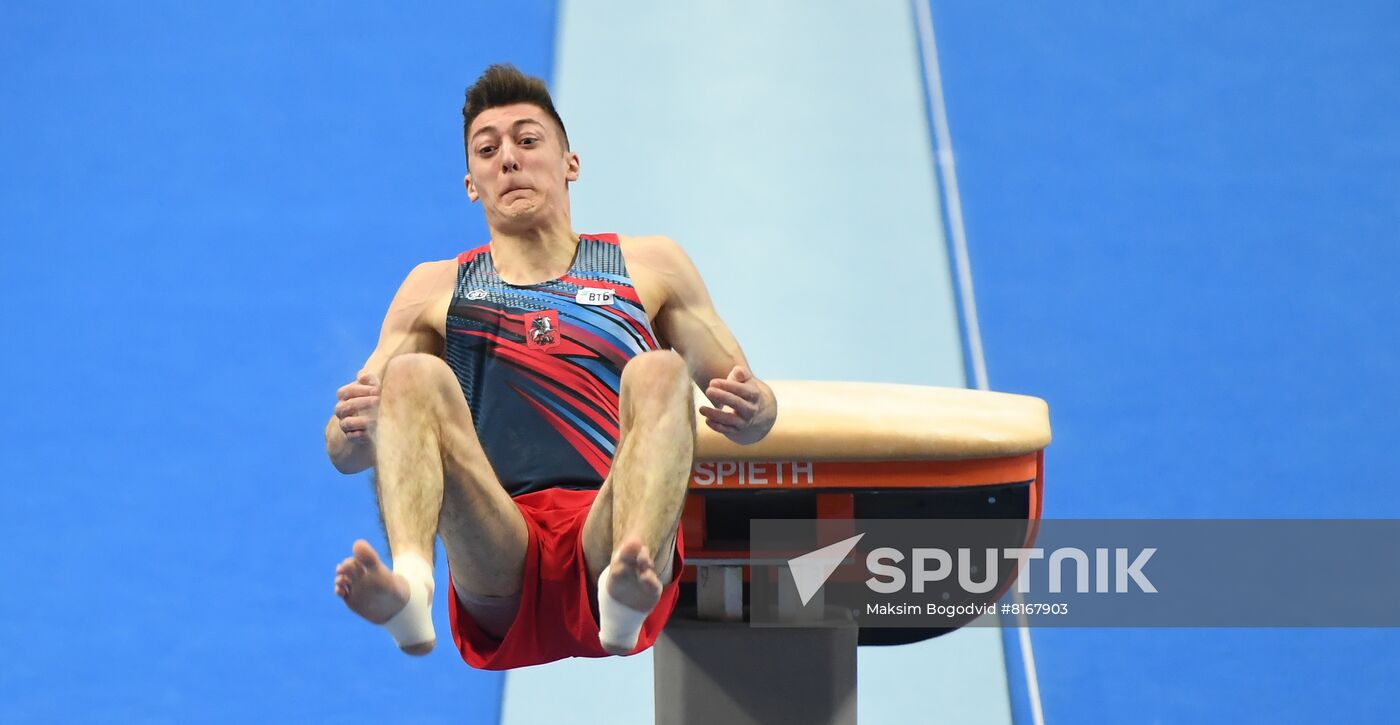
(511, 189)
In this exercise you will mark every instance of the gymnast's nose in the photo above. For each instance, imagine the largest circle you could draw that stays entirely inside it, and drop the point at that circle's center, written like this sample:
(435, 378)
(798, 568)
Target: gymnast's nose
(508, 161)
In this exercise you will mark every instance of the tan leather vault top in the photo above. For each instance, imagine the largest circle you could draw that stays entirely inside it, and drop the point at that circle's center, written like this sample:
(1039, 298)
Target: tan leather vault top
(845, 421)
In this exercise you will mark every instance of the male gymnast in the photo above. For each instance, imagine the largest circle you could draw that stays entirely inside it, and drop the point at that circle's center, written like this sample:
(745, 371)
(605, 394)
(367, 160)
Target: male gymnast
(529, 402)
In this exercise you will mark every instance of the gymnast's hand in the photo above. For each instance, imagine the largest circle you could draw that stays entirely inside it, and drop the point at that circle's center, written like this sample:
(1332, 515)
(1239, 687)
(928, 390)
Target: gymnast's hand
(744, 407)
(358, 407)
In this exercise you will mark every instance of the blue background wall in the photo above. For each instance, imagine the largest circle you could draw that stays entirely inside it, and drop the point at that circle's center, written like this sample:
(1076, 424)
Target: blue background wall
(1181, 218)
(206, 208)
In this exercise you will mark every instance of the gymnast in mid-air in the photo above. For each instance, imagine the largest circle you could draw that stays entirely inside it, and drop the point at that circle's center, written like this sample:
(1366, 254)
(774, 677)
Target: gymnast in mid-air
(530, 402)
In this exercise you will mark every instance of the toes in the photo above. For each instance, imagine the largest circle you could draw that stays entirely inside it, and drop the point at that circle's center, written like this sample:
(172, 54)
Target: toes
(365, 555)
(354, 568)
(350, 569)
(632, 555)
(629, 549)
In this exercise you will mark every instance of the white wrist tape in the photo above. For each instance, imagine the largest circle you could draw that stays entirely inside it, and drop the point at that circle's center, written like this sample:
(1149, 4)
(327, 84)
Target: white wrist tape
(413, 625)
(618, 624)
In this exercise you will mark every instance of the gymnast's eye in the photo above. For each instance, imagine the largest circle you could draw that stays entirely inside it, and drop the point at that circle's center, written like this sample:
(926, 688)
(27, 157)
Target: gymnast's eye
(529, 141)
(484, 150)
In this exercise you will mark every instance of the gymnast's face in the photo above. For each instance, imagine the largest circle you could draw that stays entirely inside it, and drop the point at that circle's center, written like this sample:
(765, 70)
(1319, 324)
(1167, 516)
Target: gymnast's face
(518, 167)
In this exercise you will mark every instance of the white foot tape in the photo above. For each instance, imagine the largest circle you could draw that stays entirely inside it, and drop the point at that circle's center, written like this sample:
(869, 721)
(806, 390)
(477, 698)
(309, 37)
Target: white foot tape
(413, 625)
(618, 624)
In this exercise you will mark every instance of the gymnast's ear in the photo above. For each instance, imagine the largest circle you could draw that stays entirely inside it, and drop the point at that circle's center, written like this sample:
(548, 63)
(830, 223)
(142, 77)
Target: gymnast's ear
(571, 167)
(471, 189)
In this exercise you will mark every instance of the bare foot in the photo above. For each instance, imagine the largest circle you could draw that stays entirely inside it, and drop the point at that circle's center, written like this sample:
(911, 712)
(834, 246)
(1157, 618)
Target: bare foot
(633, 581)
(373, 591)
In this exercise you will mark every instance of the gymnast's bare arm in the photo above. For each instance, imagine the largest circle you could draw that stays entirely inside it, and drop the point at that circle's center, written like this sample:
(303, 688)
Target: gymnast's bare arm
(415, 322)
(684, 317)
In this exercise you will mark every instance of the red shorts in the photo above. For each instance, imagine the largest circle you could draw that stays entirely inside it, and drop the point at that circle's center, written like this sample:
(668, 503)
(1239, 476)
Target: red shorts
(557, 618)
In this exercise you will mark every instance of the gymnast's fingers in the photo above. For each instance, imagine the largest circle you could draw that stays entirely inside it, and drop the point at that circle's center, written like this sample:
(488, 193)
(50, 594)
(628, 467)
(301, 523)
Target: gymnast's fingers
(721, 428)
(747, 391)
(355, 426)
(722, 416)
(356, 390)
(743, 408)
(355, 406)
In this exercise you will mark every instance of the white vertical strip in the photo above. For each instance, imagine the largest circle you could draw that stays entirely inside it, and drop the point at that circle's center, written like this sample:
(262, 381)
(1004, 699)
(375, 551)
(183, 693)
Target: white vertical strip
(952, 200)
(698, 120)
(963, 266)
(1028, 659)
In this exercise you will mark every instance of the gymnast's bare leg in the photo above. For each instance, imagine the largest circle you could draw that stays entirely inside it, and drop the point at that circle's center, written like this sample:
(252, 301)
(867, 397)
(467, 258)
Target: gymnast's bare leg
(432, 477)
(631, 526)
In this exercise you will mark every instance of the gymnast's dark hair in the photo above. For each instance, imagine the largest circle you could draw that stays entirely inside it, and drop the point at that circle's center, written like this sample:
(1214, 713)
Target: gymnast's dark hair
(502, 85)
